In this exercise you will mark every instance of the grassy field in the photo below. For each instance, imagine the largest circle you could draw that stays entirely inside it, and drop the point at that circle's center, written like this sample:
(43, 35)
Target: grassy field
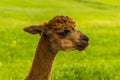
(99, 19)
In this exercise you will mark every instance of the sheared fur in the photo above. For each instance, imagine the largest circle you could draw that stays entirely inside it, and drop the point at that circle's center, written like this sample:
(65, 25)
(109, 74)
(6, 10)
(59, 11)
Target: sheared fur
(56, 35)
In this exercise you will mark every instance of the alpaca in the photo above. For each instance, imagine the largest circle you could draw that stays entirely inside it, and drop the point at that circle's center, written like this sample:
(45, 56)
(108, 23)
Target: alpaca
(59, 34)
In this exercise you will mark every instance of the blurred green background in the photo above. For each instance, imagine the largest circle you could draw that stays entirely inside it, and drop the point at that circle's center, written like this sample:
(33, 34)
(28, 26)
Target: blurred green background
(98, 19)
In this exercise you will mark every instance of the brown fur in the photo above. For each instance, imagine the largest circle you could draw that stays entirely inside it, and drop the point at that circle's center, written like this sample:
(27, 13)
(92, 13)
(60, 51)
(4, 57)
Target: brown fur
(60, 22)
(56, 35)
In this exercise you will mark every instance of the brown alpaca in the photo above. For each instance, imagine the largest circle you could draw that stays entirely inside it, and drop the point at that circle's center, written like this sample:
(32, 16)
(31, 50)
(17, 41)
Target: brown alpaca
(59, 34)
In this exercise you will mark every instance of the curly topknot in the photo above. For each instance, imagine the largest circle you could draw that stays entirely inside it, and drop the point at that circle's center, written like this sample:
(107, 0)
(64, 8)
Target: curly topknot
(60, 22)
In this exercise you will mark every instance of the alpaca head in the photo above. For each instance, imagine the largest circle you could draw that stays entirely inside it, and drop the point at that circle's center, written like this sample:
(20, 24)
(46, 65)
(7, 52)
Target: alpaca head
(61, 34)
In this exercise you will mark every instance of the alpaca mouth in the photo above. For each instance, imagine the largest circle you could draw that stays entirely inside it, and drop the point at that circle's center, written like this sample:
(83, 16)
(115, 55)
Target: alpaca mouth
(82, 46)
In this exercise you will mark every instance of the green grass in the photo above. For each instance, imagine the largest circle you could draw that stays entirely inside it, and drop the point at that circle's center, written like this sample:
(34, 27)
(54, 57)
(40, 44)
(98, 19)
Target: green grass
(101, 22)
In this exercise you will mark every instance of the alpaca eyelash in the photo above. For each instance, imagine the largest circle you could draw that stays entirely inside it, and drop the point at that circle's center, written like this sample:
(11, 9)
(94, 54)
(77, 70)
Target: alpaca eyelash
(64, 33)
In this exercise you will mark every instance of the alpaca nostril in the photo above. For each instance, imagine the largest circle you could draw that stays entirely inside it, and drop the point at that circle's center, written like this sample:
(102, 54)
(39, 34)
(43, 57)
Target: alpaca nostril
(83, 37)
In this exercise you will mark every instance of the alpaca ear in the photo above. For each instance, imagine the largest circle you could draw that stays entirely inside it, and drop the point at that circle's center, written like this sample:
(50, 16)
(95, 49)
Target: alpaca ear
(34, 29)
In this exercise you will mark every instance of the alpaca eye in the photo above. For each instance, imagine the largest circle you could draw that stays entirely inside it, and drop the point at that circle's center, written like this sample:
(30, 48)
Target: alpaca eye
(64, 33)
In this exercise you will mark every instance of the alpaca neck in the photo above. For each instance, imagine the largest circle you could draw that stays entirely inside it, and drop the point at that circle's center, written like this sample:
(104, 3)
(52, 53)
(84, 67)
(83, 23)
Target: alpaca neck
(42, 63)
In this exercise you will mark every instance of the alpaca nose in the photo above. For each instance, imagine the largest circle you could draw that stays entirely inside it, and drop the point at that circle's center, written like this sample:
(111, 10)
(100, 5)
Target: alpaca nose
(85, 38)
